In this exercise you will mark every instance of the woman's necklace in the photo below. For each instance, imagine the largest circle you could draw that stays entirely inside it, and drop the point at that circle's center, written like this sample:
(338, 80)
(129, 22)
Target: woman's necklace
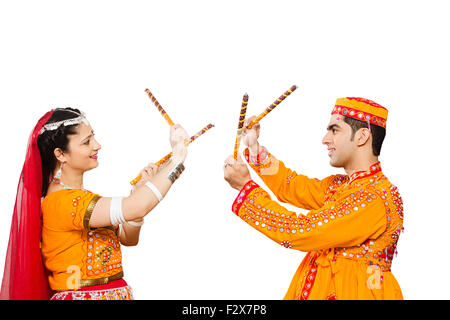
(64, 186)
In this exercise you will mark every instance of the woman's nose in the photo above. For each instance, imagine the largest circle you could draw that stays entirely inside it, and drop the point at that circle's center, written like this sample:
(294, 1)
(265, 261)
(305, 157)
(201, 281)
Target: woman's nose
(97, 145)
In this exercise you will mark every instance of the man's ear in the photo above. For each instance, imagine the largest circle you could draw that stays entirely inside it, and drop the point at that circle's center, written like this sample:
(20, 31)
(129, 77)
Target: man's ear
(362, 136)
(59, 155)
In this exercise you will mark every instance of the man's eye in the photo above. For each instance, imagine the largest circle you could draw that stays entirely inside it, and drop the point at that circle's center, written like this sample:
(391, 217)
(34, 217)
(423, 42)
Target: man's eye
(87, 142)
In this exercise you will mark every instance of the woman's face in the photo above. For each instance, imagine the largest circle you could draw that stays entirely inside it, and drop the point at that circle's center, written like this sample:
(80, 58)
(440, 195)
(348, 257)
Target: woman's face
(82, 154)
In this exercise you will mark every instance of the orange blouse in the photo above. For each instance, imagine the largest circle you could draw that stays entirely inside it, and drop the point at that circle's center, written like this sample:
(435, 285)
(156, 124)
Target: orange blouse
(72, 250)
(350, 232)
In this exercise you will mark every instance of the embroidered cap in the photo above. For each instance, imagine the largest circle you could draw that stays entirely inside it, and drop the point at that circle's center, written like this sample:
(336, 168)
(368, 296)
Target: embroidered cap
(361, 109)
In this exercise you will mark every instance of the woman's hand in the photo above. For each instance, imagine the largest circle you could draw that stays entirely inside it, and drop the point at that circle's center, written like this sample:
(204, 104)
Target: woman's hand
(147, 173)
(178, 141)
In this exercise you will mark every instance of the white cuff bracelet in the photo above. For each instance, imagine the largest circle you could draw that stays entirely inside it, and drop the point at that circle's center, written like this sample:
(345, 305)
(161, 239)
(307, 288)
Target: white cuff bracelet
(135, 223)
(155, 190)
(115, 211)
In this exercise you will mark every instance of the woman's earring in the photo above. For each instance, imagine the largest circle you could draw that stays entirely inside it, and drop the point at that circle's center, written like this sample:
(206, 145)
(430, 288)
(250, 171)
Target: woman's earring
(58, 173)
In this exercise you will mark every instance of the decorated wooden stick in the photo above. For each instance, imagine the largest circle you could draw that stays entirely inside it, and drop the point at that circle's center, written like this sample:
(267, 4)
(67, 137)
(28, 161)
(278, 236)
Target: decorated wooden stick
(198, 134)
(271, 107)
(160, 108)
(167, 156)
(240, 124)
(164, 159)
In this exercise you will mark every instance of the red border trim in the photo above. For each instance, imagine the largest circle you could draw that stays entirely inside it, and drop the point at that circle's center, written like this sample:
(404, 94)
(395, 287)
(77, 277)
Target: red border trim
(309, 282)
(245, 191)
(359, 115)
(375, 168)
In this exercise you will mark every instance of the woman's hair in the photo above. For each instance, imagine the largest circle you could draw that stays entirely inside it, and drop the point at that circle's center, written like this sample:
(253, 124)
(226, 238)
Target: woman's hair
(49, 140)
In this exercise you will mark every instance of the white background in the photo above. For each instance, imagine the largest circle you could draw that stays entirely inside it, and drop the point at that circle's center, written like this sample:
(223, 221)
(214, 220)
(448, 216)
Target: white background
(199, 58)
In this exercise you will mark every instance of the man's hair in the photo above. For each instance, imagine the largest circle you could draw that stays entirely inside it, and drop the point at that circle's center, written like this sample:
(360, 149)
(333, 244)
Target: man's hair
(378, 133)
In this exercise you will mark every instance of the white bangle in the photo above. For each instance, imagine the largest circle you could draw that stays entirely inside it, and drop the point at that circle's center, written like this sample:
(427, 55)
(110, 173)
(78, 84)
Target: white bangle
(135, 223)
(115, 211)
(155, 190)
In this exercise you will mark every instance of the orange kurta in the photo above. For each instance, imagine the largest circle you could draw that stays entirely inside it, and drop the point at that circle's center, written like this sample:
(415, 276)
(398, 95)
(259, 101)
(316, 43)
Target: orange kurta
(350, 232)
(70, 248)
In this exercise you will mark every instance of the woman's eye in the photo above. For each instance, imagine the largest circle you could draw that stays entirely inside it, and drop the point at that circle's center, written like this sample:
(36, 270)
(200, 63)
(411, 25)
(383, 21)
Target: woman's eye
(87, 142)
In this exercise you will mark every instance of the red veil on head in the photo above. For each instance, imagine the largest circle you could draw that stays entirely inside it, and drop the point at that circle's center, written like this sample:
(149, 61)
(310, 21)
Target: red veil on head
(25, 276)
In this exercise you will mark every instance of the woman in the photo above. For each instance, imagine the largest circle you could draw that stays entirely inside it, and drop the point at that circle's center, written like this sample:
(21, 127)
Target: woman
(65, 240)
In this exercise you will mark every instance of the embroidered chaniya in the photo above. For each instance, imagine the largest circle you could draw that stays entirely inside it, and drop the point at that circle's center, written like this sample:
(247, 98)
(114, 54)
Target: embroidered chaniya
(116, 290)
(350, 231)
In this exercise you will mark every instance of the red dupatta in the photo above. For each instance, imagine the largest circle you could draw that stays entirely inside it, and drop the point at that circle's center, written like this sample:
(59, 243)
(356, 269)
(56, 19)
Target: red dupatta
(25, 277)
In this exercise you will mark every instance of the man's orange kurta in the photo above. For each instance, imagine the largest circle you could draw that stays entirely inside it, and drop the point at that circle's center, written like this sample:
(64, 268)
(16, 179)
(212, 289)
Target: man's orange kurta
(350, 232)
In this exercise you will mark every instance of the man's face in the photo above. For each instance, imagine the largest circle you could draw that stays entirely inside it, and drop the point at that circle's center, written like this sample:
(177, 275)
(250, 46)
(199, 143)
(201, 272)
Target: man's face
(338, 141)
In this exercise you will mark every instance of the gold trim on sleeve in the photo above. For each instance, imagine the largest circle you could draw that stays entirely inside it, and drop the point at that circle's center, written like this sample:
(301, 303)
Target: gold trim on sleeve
(90, 208)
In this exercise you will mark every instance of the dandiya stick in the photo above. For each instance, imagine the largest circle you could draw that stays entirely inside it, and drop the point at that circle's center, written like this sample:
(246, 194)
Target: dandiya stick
(271, 107)
(167, 156)
(240, 125)
(198, 134)
(160, 108)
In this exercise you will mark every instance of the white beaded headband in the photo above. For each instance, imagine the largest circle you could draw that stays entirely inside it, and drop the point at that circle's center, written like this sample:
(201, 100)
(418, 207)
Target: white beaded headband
(68, 122)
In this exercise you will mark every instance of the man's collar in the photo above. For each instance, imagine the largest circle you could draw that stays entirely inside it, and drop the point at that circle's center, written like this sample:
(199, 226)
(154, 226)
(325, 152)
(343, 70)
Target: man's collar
(375, 168)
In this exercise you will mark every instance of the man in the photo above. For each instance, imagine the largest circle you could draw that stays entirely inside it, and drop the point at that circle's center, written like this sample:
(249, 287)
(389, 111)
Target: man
(351, 231)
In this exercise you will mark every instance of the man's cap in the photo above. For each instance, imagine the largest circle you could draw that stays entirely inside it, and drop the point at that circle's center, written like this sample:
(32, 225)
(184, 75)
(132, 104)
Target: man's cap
(361, 109)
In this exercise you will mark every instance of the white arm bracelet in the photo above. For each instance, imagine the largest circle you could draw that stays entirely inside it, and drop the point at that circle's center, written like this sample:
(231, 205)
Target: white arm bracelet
(155, 190)
(135, 223)
(115, 211)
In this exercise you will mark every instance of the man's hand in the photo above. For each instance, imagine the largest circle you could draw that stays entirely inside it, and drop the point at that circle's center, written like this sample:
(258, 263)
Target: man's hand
(250, 136)
(236, 172)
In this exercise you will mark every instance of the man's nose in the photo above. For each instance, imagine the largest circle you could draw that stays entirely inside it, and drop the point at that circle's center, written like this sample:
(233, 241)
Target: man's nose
(326, 139)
